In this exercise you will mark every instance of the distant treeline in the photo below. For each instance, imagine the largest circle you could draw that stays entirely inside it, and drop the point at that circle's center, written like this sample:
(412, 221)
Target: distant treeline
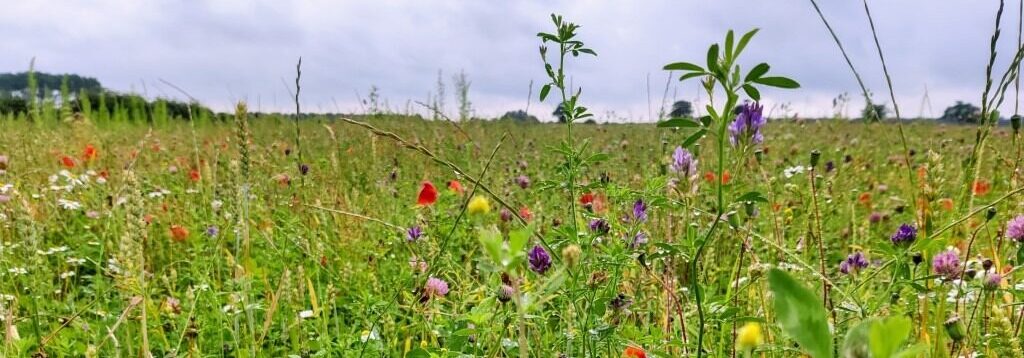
(61, 97)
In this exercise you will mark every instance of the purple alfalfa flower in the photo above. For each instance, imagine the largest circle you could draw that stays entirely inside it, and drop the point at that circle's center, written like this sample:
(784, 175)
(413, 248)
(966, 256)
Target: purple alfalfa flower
(946, 264)
(599, 226)
(1015, 229)
(853, 263)
(747, 125)
(904, 235)
(540, 260)
(435, 288)
(304, 169)
(830, 166)
(683, 162)
(212, 231)
(639, 211)
(413, 233)
(523, 181)
(638, 240)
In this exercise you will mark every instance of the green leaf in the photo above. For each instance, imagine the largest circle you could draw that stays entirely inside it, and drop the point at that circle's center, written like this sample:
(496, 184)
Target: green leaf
(912, 352)
(693, 138)
(588, 51)
(780, 82)
(800, 314)
(678, 122)
(544, 91)
(757, 72)
(517, 240)
(713, 58)
(728, 46)
(683, 66)
(743, 42)
(857, 341)
(752, 196)
(752, 92)
(889, 335)
(490, 239)
(691, 75)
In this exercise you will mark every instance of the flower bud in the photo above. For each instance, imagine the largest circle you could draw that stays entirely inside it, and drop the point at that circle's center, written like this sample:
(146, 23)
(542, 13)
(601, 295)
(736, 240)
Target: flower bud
(815, 157)
(955, 329)
(991, 213)
(571, 255)
(1015, 123)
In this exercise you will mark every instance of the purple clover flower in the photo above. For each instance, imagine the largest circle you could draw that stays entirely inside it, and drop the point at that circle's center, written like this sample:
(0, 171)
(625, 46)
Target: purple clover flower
(946, 264)
(212, 231)
(905, 235)
(523, 181)
(540, 260)
(747, 125)
(993, 281)
(853, 263)
(435, 288)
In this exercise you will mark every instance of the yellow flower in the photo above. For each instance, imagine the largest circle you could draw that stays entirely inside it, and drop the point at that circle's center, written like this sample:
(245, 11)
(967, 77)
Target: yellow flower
(749, 337)
(479, 205)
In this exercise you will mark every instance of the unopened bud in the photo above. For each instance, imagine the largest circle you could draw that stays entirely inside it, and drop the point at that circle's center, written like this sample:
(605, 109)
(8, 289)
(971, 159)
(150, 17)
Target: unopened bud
(571, 255)
(815, 157)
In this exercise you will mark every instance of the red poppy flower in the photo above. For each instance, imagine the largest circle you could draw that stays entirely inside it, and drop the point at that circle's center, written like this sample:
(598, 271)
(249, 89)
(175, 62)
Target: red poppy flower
(194, 175)
(981, 187)
(709, 177)
(68, 162)
(104, 174)
(634, 352)
(587, 199)
(864, 198)
(525, 213)
(428, 194)
(947, 204)
(455, 186)
(179, 233)
(89, 153)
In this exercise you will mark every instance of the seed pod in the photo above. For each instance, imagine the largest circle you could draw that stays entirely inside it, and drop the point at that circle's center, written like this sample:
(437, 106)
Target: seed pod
(955, 329)
(815, 157)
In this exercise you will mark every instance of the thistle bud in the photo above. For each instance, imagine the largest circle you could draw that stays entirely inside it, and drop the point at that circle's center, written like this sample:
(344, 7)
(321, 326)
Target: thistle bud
(759, 155)
(987, 264)
(955, 329)
(571, 255)
(917, 258)
(815, 157)
(1015, 123)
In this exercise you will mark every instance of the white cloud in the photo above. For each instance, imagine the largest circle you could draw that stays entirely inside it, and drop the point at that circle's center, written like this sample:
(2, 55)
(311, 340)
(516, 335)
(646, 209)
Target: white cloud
(223, 51)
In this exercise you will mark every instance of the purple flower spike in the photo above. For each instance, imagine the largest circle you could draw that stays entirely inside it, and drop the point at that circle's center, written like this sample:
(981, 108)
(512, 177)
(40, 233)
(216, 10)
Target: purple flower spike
(853, 263)
(683, 162)
(540, 260)
(747, 125)
(905, 235)
(413, 234)
(639, 211)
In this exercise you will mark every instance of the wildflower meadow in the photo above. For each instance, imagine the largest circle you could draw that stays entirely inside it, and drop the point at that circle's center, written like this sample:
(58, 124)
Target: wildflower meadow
(131, 231)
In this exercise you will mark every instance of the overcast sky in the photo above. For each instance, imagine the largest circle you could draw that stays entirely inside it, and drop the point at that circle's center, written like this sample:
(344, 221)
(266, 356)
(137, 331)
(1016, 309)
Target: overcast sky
(225, 51)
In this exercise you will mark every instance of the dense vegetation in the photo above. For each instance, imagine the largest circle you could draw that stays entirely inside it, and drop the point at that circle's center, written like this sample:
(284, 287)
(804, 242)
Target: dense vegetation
(137, 228)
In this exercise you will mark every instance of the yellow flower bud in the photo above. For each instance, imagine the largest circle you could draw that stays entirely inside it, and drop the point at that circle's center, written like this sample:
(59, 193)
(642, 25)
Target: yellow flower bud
(479, 205)
(749, 337)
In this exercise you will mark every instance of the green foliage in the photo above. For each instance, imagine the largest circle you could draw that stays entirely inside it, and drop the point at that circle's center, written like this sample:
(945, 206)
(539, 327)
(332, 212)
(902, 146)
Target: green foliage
(800, 314)
(962, 112)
